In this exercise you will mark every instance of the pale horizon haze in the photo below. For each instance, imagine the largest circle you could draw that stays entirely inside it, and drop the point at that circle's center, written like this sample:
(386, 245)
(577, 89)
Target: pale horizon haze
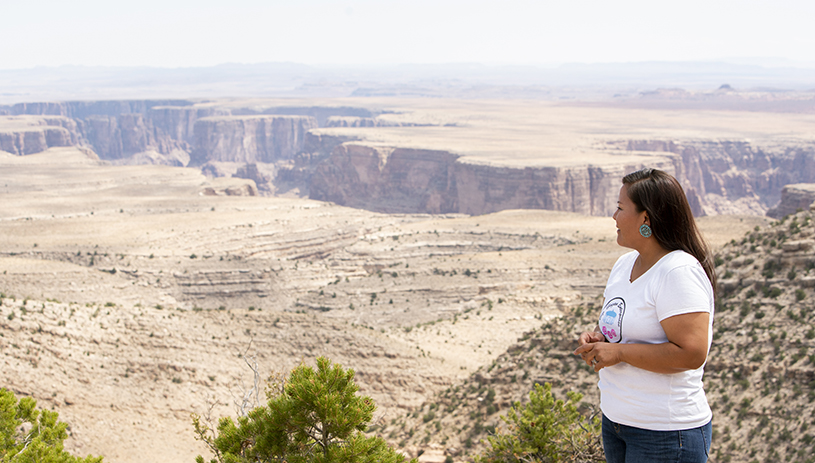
(177, 34)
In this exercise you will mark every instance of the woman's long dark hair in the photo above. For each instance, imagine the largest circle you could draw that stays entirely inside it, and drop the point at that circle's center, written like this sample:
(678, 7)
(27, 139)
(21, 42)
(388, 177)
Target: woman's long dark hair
(662, 197)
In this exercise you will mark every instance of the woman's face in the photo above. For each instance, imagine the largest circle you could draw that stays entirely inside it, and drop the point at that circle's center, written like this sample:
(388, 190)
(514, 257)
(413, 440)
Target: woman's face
(628, 221)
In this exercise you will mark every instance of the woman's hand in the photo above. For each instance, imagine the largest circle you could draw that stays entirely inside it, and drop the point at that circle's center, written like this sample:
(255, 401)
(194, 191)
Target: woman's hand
(686, 348)
(600, 354)
(590, 336)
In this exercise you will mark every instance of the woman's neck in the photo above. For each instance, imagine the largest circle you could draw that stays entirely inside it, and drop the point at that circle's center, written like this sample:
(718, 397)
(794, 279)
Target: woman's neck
(648, 256)
(651, 255)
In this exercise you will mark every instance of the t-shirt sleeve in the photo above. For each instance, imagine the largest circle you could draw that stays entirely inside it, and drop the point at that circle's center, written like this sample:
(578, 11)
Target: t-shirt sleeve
(685, 289)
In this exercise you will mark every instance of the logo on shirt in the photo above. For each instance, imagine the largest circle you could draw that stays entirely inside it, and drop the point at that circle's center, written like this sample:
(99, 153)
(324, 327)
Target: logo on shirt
(611, 319)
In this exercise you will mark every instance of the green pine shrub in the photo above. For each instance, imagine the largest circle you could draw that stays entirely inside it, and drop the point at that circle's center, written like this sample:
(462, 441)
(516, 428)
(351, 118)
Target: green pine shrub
(29, 435)
(546, 431)
(314, 416)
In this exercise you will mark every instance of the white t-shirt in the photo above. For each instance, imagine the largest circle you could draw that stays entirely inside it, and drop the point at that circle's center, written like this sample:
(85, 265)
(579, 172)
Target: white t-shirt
(632, 311)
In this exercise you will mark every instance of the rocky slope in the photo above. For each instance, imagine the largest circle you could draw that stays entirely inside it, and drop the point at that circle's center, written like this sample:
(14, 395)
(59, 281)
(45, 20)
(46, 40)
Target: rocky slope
(126, 378)
(457, 421)
(762, 367)
(759, 378)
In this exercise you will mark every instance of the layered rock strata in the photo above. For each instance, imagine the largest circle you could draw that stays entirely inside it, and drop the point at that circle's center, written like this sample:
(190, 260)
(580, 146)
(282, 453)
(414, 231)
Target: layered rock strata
(321, 114)
(179, 132)
(117, 130)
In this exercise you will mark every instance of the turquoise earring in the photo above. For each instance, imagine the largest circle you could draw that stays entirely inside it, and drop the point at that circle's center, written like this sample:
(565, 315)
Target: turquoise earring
(645, 230)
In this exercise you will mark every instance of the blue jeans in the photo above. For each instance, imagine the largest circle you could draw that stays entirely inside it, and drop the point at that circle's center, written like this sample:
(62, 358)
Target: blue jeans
(626, 444)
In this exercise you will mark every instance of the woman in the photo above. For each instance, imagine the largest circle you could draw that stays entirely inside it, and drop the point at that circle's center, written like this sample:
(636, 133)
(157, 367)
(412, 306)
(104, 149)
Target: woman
(655, 328)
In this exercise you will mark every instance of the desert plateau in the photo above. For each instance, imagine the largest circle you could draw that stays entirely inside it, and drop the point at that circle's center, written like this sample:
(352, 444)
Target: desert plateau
(152, 252)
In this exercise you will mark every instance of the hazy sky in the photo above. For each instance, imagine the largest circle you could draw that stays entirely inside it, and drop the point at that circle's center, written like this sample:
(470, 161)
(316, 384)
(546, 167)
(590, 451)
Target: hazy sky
(183, 33)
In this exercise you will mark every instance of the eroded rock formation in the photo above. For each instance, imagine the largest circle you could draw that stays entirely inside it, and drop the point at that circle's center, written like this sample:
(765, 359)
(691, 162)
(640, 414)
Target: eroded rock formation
(178, 132)
(794, 198)
(720, 177)
(261, 175)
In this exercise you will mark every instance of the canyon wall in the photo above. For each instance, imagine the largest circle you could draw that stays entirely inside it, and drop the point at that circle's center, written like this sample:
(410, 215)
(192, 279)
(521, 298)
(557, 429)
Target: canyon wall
(387, 179)
(22, 135)
(719, 177)
(118, 130)
(321, 113)
(278, 149)
(736, 176)
(589, 190)
(250, 139)
(354, 121)
(412, 180)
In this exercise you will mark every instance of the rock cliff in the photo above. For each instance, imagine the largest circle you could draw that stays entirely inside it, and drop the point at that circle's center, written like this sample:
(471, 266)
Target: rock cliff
(590, 190)
(261, 175)
(320, 113)
(84, 109)
(372, 162)
(387, 179)
(22, 135)
(735, 176)
(148, 131)
(720, 177)
(352, 121)
(120, 129)
(794, 198)
(412, 180)
(249, 139)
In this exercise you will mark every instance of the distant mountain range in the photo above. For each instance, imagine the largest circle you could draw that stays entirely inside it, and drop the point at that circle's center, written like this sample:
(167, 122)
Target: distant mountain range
(453, 80)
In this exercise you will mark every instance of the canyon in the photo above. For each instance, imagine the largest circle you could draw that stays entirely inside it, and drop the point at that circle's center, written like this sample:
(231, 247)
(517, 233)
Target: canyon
(454, 156)
(153, 252)
(131, 297)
